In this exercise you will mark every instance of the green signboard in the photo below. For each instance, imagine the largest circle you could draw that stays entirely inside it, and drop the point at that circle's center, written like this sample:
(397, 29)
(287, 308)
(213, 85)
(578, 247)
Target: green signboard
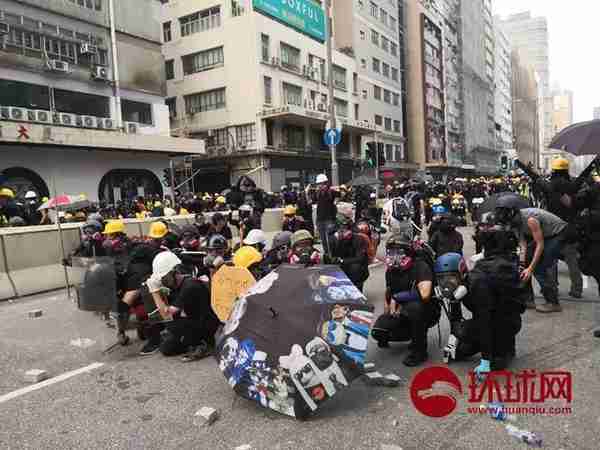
(303, 15)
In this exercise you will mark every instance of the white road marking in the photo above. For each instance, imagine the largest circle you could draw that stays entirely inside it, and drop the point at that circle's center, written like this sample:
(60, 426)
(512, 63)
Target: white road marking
(57, 379)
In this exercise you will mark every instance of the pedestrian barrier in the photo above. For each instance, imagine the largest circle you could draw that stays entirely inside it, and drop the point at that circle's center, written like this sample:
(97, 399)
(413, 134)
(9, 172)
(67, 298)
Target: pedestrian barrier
(30, 257)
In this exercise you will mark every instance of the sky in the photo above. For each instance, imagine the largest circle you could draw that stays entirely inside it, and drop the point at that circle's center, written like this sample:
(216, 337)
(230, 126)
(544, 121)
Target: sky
(573, 30)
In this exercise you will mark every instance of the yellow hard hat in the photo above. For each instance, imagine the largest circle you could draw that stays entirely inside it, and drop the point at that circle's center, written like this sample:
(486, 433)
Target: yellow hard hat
(289, 211)
(157, 204)
(246, 256)
(560, 163)
(114, 226)
(44, 199)
(221, 199)
(6, 192)
(158, 230)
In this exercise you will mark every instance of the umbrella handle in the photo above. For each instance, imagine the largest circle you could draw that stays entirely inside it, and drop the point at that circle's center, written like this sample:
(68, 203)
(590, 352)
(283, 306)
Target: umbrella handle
(275, 313)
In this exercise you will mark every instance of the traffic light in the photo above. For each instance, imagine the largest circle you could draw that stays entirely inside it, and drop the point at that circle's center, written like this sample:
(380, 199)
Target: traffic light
(370, 154)
(504, 162)
(380, 149)
(167, 177)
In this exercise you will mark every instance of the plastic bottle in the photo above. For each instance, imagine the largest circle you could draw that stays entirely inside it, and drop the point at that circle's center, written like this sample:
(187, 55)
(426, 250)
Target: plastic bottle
(531, 439)
(497, 411)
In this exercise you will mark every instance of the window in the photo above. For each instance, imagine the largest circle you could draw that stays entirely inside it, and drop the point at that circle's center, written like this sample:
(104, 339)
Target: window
(363, 35)
(136, 112)
(167, 32)
(364, 94)
(58, 49)
(399, 155)
(83, 104)
(388, 124)
(397, 126)
(385, 43)
(341, 107)
(90, 4)
(378, 120)
(387, 96)
(376, 92)
(293, 137)
(172, 104)
(394, 49)
(24, 95)
(200, 21)
(292, 95)
(394, 74)
(290, 57)
(205, 60)
(23, 42)
(339, 77)
(265, 44)
(169, 70)
(375, 37)
(376, 64)
(396, 99)
(268, 90)
(363, 63)
(389, 152)
(361, 4)
(386, 70)
(383, 15)
(374, 9)
(245, 135)
(393, 23)
(205, 101)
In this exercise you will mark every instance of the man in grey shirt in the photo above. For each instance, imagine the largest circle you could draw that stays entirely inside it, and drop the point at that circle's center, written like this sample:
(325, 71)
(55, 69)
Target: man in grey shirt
(547, 232)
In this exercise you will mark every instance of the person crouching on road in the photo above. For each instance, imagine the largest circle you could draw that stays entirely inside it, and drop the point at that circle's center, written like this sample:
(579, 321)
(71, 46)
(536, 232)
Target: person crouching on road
(194, 323)
(408, 296)
(446, 239)
(280, 249)
(303, 249)
(349, 250)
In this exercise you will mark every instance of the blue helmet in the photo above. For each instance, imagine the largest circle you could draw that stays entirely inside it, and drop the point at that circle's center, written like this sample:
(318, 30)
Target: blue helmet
(449, 262)
(439, 209)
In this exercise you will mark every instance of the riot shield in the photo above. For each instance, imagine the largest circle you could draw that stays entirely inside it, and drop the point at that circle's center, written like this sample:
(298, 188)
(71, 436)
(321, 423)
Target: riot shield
(95, 283)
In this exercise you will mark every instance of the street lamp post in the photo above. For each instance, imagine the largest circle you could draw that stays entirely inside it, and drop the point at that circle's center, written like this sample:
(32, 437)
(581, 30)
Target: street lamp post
(335, 179)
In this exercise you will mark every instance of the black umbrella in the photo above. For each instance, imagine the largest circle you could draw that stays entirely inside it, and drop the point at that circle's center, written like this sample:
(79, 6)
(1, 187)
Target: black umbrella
(489, 204)
(363, 180)
(581, 138)
(296, 338)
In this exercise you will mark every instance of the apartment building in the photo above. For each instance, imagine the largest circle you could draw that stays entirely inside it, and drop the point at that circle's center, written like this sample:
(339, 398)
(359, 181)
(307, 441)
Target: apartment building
(250, 79)
(72, 121)
(369, 31)
(503, 94)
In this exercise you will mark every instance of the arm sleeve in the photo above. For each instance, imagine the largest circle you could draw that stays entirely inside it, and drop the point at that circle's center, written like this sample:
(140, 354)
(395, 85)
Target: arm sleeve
(482, 315)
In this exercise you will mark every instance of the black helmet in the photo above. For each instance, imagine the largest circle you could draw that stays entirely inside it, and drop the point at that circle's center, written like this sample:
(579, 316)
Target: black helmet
(190, 230)
(283, 238)
(217, 242)
(399, 240)
(507, 208)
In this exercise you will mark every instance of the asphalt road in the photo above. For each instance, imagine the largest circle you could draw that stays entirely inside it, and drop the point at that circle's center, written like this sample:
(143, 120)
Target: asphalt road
(149, 402)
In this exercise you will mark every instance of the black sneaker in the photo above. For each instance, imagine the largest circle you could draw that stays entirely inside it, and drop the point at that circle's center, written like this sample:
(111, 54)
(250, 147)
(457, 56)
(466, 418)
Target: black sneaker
(415, 358)
(597, 333)
(199, 352)
(150, 348)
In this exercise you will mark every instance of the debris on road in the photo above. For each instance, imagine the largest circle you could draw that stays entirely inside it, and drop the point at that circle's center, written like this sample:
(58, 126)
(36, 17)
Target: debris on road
(391, 380)
(82, 342)
(36, 375)
(243, 447)
(531, 439)
(395, 423)
(373, 378)
(35, 313)
(390, 447)
(210, 415)
(369, 367)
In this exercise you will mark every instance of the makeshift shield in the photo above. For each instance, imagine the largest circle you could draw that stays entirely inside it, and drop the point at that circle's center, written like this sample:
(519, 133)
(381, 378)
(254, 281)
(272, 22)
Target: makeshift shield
(227, 285)
(95, 282)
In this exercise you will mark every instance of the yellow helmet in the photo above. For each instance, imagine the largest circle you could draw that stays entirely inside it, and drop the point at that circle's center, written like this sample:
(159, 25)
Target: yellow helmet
(114, 226)
(157, 204)
(221, 199)
(6, 192)
(158, 230)
(246, 256)
(289, 211)
(560, 163)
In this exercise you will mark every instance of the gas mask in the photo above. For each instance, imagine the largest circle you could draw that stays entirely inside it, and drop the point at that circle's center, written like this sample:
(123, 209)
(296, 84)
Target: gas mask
(213, 261)
(397, 258)
(114, 244)
(344, 234)
(191, 244)
(504, 216)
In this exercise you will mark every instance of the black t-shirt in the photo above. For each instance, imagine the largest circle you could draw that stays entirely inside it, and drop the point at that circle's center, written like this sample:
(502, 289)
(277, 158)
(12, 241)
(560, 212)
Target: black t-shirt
(404, 280)
(193, 297)
(225, 232)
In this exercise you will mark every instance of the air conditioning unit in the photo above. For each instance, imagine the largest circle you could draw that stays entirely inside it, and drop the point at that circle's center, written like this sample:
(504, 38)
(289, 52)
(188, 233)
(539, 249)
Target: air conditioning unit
(100, 73)
(66, 119)
(130, 127)
(40, 116)
(56, 65)
(88, 121)
(17, 113)
(88, 49)
(105, 124)
(322, 107)
(4, 28)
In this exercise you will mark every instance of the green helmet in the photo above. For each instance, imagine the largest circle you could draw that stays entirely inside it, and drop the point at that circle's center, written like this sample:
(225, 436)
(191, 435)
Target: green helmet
(343, 220)
(301, 235)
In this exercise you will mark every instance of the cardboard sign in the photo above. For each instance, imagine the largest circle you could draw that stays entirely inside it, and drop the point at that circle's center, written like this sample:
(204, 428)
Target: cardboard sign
(228, 284)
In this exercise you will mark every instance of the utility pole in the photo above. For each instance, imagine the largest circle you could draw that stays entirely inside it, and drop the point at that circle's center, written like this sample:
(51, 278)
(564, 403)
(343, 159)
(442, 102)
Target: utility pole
(376, 174)
(335, 179)
(172, 176)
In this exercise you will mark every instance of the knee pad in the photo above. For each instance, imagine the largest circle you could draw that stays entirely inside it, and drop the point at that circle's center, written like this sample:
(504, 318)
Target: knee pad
(388, 328)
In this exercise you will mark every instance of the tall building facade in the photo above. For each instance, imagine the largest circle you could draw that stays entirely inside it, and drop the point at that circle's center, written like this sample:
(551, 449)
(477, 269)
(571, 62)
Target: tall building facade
(369, 31)
(562, 117)
(525, 109)
(529, 36)
(249, 78)
(67, 84)
(596, 113)
(502, 94)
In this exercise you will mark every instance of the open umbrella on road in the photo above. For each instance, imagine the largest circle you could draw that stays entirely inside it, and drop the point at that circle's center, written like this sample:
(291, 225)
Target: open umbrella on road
(296, 338)
(66, 202)
(489, 205)
(581, 138)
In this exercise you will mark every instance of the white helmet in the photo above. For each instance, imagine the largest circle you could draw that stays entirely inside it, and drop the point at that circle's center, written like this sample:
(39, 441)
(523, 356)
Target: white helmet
(255, 237)
(373, 195)
(322, 178)
(246, 208)
(30, 195)
(164, 263)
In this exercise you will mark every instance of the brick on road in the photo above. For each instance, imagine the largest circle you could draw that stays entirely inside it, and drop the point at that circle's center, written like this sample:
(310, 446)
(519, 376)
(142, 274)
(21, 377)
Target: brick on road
(36, 375)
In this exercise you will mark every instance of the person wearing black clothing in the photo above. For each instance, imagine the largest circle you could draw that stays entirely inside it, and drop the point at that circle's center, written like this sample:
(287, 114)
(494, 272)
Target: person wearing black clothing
(349, 251)
(446, 239)
(245, 192)
(91, 241)
(305, 210)
(326, 211)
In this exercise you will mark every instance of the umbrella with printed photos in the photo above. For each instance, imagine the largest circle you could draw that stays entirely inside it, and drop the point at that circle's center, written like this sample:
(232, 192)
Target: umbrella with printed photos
(296, 338)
